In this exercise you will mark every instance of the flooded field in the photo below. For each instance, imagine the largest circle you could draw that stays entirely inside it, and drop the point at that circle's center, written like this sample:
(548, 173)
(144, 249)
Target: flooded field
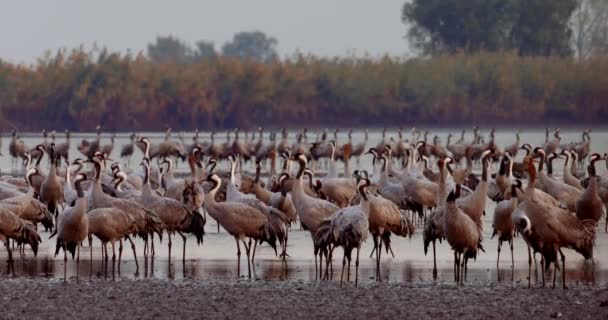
(216, 259)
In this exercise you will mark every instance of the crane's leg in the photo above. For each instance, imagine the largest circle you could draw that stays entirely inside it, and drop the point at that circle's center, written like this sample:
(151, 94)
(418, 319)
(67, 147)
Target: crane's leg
(331, 262)
(555, 268)
(238, 256)
(113, 252)
(326, 276)
(343, 264)
(104, 262)
(10, 265)
(65, 263)
(317, 275)
(542, 268)
(529, 267)
(247, 247)
(113, 257)
(466, 268)
(357, 269)
(152, 245)
(391, 251)
(91, 250)
(255, 244)
(184, 249)
(456, 264)
(321, 252)
(564, 286)
(77, 262)
(134, 254)
(119, 253)
(146, 247)
(170, 243)
(379, 275)
(348, 270)
(498, 261)
(284, 255)
(434, 261)
(512, 260)
(375, 238)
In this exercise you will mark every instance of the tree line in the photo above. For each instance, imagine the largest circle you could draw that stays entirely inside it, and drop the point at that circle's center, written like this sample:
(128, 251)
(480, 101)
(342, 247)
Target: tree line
(529, 27)
(78, 89)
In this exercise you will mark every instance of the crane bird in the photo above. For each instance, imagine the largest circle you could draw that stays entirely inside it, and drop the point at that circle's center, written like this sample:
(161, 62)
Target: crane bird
(73, 227)
(240, 220)
(348, 228)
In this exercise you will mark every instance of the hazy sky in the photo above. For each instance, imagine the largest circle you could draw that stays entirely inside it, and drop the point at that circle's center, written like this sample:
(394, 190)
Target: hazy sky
(324, 27)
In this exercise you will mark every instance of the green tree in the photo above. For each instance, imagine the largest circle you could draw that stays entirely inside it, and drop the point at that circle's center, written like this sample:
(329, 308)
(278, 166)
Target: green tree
(254, 45)
(589, 25)
(205, 50)
(169, 49)
(533, 27)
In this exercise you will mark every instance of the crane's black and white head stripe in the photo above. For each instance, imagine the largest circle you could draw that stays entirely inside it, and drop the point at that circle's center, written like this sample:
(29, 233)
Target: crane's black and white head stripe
(524, 225)
(215, 180)
(41, 148)
(487, 153)
(540, 151)
(30, 173)
(309, 173)
(420, 144)
(301, 158)
(80, 177)
(282, 178)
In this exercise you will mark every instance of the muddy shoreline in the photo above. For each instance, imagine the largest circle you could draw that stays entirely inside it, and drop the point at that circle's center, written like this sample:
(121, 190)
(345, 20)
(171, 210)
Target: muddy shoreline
(188, 299)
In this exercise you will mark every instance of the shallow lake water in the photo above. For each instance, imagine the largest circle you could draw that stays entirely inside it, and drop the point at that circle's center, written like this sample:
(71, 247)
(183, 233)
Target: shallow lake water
(216, 258)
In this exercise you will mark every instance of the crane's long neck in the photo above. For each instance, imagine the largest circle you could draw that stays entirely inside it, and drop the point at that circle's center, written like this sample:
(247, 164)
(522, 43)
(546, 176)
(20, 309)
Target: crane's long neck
(258, 170)
(592, 187)
(502, 170)
(541, 163)
(210, 196)
(365, 206)
(384, 168)
(573, 161)
(531, 175)
(146, 189)
(232, 171)
(39, 160)
(484, 170)
(81, 201)
(147, 149)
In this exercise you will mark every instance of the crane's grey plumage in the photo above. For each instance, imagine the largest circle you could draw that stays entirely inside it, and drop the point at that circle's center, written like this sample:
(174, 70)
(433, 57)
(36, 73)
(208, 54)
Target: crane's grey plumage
(348, 228)
(175, 216)
(147, 221)
(311, 211)
(73, 227)
(240, 220)
(463, 235)
(27, 207)
(503, 224)
(547, 228)
(51, 190)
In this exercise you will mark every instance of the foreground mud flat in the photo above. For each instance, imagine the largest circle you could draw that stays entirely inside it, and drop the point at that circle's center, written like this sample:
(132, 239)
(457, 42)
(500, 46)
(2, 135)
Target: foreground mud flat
(187, 299)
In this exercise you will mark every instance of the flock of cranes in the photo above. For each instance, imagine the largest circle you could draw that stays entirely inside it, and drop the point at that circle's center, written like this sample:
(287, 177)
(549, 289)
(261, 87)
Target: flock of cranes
(412, 183)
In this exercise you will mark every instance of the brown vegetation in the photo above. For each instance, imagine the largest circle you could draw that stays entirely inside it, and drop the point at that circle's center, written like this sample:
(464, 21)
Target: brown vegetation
(77, 90)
